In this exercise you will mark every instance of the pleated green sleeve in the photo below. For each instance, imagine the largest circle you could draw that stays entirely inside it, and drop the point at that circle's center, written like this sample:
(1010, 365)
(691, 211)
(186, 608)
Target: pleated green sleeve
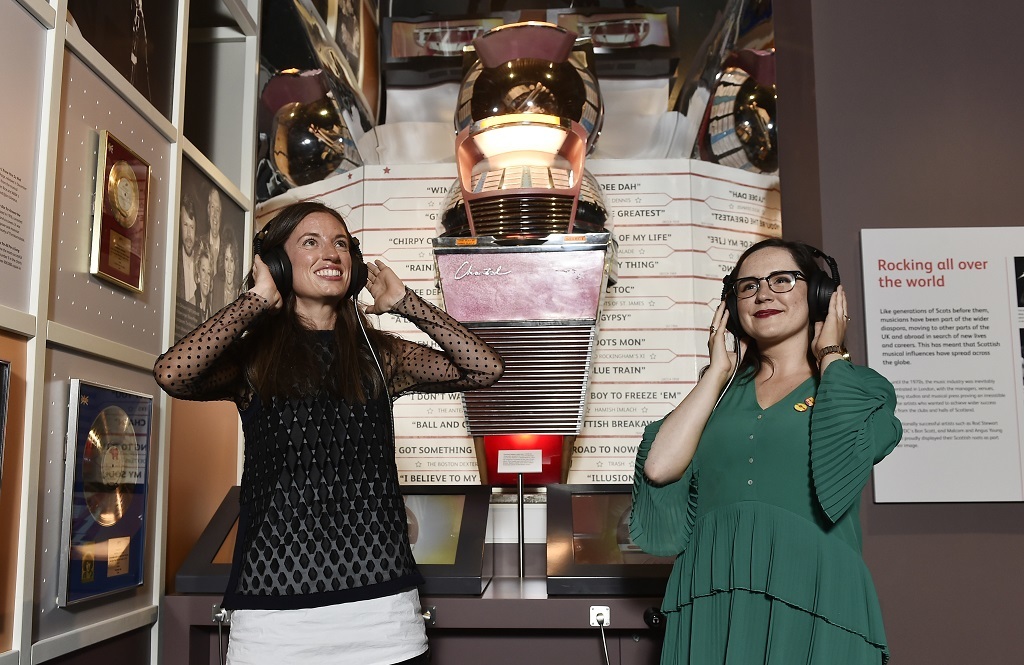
(663, 515)
(853, 426)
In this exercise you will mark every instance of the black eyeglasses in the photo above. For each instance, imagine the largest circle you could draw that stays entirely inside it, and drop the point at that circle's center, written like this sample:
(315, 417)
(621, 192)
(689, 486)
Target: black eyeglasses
(780, 281)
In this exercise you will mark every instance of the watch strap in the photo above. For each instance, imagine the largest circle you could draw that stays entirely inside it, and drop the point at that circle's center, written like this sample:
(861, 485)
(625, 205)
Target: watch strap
(833, 348)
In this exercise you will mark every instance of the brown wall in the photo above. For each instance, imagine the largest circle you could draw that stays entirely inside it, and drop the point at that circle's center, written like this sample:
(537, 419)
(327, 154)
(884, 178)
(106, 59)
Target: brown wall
(895, 115)
(203, 466)
(12, 349)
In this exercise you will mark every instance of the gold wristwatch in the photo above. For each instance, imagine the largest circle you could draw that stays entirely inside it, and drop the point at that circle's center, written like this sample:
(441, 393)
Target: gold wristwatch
(834, 348)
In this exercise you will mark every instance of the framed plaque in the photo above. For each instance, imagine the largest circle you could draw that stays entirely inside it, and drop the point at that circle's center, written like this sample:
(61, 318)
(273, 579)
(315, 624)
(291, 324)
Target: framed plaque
(119, 214)
(105, 492)
(5, 391)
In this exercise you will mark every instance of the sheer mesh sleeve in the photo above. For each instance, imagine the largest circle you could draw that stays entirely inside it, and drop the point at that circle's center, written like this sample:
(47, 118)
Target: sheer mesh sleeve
(199, 366)
(465, 362)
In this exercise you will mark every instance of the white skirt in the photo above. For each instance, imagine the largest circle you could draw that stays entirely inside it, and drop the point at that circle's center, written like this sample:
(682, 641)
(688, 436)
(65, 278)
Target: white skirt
(379, 631)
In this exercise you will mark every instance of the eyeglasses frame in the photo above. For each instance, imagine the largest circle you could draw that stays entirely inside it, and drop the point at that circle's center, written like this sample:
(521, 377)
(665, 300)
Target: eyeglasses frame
(797, 274)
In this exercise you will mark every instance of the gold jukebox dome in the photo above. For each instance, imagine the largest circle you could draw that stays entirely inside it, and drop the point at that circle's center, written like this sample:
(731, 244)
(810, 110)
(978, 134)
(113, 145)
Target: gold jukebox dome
(531, 67)
(529, 113)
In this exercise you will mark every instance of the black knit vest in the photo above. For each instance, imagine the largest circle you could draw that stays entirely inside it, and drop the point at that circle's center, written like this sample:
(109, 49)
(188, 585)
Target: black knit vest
(322, 520)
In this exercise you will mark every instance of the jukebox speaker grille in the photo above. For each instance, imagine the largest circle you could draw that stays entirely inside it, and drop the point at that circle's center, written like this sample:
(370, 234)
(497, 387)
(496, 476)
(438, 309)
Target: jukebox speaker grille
(543, 389)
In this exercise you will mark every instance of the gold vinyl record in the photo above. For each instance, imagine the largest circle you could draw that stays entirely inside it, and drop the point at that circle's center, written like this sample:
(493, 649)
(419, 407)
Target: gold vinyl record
(108, 457)
(123, 193)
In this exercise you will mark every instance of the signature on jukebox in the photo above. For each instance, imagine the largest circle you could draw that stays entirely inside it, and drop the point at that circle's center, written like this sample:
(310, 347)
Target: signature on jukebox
(467, 270)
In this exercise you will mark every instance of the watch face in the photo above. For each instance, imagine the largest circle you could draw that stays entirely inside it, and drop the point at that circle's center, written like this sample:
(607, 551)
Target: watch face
(123, 194)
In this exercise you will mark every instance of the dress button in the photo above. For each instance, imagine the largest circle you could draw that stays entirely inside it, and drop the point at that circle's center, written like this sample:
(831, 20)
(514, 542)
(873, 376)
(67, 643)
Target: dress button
(750, 482)
(759, 416)
(751, 436)
(751, 460)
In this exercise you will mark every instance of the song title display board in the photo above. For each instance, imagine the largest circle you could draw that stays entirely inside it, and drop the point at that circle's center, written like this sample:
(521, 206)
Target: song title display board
(945, 322)
(680, 226)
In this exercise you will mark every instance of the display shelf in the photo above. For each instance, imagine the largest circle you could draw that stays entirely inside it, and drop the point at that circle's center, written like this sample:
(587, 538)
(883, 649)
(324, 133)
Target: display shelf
(78, 45)
(43, 12)
(220, 46)
(54, 647)
(18, 322)
(75, 325)
(99, 347)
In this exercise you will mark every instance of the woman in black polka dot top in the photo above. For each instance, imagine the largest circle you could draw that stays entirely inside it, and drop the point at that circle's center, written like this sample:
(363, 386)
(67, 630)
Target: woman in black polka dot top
(322, 567)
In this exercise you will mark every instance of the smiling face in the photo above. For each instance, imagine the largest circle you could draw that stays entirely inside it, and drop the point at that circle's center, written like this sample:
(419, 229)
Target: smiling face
(768, 316)
(213, 212)
(204, 275)
(230, 264)
(318, 249)
(188, 231)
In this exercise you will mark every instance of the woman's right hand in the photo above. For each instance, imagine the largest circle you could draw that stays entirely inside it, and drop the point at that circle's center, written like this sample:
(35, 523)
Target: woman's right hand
(264, 285)
(723, 360)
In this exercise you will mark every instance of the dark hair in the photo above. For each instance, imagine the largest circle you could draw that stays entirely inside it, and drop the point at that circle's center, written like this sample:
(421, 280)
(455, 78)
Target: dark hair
(188, 204)
(283, 360)
(228, 238)
(201, 251)
(805, 260)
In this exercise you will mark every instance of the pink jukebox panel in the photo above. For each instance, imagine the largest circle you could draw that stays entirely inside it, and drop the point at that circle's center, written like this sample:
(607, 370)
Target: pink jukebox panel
(527, 286)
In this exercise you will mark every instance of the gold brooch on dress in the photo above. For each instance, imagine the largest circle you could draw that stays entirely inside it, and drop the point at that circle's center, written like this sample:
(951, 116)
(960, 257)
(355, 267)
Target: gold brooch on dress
(804, 405)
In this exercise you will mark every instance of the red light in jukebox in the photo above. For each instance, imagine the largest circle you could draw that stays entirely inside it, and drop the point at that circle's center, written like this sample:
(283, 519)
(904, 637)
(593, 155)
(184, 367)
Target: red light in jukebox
(550, 445)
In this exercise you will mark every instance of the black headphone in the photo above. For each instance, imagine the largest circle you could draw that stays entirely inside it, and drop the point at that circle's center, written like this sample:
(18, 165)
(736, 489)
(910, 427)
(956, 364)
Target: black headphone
(820, 288)
(281, 268)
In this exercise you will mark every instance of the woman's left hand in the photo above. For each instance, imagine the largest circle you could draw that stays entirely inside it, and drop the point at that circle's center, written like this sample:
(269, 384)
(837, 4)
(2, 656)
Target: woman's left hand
(832, 331)
(385, 287)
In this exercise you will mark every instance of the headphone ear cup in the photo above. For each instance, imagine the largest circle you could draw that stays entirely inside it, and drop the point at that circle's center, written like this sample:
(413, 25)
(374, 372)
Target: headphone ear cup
(277, 263)
(820, 288)
(359, 271)
(280, 269)
(731, 305)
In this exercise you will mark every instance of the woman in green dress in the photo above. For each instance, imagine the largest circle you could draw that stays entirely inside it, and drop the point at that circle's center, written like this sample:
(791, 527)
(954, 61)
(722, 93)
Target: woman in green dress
(753, 482)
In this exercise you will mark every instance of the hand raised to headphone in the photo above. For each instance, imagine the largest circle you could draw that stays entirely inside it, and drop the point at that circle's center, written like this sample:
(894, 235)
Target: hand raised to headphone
(264, 285)
(385, 287)
(722, 359)
(832, 331)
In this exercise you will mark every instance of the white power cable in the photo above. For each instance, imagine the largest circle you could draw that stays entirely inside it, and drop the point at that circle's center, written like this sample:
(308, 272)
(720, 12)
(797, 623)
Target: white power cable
(604, 641)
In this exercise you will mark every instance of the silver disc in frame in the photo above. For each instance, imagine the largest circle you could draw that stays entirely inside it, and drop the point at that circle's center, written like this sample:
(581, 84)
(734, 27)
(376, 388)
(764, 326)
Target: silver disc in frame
(108, 455)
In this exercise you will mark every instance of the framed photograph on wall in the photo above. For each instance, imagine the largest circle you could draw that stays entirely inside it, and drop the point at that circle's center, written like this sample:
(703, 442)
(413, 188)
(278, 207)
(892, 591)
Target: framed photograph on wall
(211, 229)
(119, 214)
(5, 392)
(106, 487)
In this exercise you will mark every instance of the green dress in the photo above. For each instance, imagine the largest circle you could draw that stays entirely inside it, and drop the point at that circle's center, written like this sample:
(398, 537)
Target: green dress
(765, 526)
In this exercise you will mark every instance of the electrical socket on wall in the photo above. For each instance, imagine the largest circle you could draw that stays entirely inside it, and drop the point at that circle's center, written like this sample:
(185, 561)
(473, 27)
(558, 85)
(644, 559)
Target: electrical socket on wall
(602, 611)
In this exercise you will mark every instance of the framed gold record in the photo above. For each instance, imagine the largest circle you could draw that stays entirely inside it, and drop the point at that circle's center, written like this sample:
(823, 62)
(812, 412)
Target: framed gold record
(120, 214)
(123, 193)
(106, 491)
